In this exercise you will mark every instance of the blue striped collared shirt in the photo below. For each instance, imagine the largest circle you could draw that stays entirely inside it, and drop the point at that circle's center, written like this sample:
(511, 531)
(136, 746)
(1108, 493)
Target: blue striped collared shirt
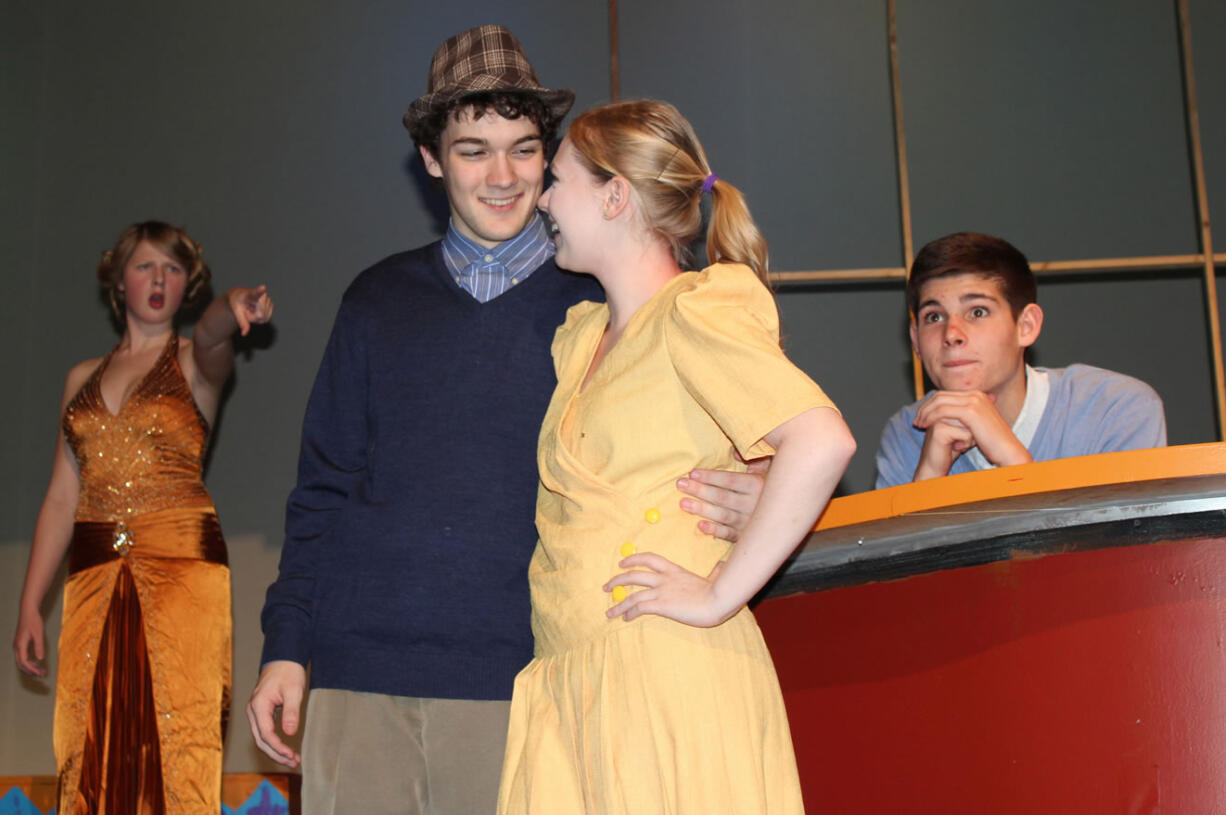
(486, 273)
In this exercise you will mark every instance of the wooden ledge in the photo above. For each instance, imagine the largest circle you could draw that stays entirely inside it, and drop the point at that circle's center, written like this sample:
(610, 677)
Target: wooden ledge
(1026, 479)
(1114, 499)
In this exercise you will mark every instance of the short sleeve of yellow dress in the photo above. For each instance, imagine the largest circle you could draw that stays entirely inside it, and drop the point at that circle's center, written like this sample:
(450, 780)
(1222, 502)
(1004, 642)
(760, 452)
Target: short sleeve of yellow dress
(723, 339)
(651, 715)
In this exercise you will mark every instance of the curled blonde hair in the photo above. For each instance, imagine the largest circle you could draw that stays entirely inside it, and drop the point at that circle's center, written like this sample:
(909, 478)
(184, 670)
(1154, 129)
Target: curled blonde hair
(651, 145)
(167, 239)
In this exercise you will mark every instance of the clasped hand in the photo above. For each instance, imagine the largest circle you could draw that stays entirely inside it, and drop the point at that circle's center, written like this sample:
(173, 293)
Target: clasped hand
(956, 421)
(668, 590)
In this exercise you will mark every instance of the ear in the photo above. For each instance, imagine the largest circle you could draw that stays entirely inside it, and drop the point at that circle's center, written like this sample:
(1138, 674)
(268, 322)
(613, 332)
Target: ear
(914, 338)
(617, 197)
(1029, 324)
(432, 165)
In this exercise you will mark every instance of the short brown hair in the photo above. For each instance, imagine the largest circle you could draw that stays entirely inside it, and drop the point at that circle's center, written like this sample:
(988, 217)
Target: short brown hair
(974, 253)
(170, 240)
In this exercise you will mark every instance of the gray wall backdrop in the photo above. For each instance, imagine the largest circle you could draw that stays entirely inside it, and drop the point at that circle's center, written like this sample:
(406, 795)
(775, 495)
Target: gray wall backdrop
(272, 131)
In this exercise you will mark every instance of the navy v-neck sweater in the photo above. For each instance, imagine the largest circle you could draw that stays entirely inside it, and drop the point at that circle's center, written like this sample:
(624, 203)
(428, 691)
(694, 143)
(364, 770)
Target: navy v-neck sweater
(408, 535)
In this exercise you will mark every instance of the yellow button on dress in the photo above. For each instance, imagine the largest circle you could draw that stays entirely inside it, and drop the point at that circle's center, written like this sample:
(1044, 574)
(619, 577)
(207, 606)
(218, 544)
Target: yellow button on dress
(651, 716)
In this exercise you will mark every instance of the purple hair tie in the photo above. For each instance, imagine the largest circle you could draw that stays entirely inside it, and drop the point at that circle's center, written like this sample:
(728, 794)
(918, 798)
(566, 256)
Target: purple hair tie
(709, 182)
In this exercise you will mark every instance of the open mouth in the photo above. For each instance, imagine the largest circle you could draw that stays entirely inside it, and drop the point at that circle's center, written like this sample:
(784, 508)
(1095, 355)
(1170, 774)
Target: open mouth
(157, 300)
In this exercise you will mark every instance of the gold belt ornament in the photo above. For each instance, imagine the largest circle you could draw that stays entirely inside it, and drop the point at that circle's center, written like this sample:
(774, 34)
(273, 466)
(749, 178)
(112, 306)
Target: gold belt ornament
(123, 540)
(180, 532)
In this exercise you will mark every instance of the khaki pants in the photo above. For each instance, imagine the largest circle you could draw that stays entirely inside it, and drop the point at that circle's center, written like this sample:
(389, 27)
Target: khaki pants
(374, 754)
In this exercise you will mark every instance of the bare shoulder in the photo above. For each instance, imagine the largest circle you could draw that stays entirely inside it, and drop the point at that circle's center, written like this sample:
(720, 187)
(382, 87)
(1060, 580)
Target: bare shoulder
(78, 374)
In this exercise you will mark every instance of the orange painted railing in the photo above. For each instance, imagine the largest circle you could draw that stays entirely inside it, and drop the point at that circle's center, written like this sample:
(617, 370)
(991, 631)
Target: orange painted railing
(1026, 479)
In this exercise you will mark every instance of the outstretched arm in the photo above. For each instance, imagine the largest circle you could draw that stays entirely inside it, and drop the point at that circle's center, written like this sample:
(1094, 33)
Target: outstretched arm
(238, 309)
(813, 450)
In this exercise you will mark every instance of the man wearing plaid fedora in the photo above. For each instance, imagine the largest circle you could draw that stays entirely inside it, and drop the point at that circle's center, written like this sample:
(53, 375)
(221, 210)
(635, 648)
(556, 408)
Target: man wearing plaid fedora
(403, 577)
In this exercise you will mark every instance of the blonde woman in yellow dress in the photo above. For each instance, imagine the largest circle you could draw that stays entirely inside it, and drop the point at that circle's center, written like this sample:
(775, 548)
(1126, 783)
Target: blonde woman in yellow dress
(651, 690)
(143, 680)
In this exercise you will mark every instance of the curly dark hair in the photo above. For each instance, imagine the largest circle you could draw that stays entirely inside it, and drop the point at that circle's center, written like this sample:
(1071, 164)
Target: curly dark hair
(427, 131)
(170, 240)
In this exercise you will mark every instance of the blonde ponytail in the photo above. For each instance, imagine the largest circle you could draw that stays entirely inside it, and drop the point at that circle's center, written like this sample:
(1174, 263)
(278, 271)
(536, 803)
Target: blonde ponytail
(732, 234)
(651, 145)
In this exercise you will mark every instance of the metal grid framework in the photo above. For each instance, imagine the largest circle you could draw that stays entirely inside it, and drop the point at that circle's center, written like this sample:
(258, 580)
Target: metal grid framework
(1205, 260)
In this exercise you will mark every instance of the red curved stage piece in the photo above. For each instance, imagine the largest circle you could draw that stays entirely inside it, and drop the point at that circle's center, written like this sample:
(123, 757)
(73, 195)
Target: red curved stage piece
(1055, 650)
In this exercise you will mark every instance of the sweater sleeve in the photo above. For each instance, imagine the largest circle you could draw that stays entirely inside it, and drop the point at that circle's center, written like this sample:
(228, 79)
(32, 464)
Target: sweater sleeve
(332, 460)
(899, 451)
(1113, 412)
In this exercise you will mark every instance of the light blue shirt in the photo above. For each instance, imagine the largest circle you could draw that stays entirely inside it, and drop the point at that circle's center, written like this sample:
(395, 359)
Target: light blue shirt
(1089, 410)
(486, 273)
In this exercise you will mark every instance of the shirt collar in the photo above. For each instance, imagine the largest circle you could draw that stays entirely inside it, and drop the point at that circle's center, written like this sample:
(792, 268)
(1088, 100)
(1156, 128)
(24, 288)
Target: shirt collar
(520, 255)
(1037, 390)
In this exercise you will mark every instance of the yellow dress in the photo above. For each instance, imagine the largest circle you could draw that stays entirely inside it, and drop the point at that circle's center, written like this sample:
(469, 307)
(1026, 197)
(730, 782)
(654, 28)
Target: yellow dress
(143, 680)
(651, 716)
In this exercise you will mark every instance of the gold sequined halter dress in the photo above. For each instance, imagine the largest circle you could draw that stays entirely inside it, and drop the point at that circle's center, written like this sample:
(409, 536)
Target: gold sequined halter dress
(143, 682)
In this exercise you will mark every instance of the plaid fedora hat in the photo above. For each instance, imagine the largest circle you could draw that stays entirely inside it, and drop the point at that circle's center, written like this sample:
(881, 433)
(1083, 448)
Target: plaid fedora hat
(486, 58)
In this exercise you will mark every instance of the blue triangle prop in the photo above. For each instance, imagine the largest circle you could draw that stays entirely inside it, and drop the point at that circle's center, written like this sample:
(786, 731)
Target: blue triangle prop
(15, 802)
(265, 800)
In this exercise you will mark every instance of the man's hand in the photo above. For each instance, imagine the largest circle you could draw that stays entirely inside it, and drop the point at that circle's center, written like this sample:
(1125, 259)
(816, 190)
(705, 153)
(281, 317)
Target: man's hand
(723, 498)
(282, 684)
(943, 443)
(956, 421)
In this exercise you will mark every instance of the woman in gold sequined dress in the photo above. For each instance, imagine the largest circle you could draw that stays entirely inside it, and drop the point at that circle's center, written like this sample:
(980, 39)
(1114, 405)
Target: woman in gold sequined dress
(143, 681)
